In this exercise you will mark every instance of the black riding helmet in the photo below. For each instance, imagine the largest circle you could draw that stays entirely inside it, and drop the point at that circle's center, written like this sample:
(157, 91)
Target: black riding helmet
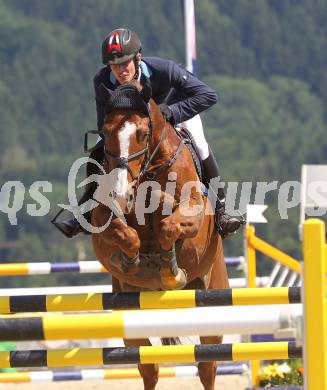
(120, 46)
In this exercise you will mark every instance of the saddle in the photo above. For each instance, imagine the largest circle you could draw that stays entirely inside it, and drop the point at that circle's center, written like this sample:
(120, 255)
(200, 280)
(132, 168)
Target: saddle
(191, 145)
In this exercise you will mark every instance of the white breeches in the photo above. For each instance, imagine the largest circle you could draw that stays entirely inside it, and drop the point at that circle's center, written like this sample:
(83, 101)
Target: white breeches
(194, 126)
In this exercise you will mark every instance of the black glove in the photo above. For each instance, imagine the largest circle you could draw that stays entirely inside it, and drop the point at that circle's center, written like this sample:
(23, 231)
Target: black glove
(166, 112)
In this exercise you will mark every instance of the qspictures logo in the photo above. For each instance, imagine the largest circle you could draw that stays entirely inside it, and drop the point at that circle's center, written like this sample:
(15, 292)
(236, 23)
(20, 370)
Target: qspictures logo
(115, 186)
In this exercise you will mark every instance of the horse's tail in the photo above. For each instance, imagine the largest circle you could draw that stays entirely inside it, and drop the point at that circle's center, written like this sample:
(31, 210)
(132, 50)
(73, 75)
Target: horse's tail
(171, 341)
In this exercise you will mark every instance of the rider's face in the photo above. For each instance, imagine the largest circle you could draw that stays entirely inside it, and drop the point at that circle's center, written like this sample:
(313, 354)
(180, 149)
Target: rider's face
(124, 72)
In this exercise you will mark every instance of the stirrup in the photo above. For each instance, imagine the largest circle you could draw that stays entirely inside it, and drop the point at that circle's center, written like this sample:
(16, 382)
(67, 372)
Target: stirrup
(55, 223)
(77, 230)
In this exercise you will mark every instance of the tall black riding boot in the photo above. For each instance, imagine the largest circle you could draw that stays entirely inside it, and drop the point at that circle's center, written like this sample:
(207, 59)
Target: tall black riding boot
(72, 227)
(225, 224)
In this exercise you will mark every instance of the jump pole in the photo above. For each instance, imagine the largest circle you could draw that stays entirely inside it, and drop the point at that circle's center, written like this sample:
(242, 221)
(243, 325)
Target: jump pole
(82, 267)
(202, 321)
(150, 300)
(46, 376)
(148, 355)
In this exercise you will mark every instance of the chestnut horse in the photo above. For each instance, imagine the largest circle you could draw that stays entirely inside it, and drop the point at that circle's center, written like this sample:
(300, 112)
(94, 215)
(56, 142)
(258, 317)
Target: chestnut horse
(158, 250)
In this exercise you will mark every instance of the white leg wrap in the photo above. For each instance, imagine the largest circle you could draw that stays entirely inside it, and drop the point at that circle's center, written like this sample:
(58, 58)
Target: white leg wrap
(194, 126)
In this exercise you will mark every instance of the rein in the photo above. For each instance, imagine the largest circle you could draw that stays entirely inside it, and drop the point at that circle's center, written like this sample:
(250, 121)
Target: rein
(153, 172)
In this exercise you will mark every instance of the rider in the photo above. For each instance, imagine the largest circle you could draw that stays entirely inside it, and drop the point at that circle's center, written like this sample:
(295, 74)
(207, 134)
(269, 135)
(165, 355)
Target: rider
(180, 97)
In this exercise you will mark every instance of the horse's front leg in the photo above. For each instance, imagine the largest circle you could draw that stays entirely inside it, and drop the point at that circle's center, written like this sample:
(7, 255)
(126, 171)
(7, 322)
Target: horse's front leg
(119, 238)
(184, 222)
(181, 224)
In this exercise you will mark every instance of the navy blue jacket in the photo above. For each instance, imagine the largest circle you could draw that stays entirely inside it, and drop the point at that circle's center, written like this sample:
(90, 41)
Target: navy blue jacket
(186, 95)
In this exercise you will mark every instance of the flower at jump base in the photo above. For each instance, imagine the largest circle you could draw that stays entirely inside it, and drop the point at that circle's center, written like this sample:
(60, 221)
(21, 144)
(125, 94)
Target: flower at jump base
(274, 370)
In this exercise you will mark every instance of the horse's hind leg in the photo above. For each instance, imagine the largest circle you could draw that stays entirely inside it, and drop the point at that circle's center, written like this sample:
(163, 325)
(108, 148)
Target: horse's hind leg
(218, 278)
(150, 375)
(207, 370)
(149, 372)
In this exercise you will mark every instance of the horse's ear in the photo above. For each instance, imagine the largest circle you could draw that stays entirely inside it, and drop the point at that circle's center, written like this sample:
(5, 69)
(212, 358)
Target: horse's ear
(146, 92)
(104, 92)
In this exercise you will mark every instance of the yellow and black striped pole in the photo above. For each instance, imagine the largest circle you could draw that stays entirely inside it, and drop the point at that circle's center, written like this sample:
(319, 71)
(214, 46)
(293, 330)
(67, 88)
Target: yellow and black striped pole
(150, 300)
(145, 355)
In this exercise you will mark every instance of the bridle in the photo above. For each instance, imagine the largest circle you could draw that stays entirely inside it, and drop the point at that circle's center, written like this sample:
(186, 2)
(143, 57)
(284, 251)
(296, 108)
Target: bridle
(122, 162)
(150, 172)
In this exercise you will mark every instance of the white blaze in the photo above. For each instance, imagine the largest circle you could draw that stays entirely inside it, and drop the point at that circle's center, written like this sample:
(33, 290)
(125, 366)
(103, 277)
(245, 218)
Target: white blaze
(124, 135)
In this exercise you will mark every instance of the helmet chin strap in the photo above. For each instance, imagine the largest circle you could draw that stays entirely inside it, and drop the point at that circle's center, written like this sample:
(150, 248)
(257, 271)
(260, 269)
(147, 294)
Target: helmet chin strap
(137, 67)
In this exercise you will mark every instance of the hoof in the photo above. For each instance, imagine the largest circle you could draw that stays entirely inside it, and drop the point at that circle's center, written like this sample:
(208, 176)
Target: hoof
(172, 282)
